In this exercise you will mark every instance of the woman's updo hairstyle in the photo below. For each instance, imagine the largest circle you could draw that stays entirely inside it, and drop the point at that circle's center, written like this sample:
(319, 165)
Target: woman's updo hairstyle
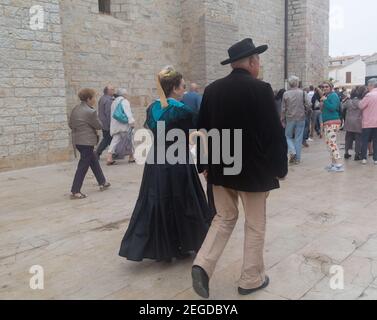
(169, 79)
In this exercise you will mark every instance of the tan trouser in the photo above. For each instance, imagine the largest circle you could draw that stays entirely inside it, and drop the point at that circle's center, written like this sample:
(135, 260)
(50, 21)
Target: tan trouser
(254, 204)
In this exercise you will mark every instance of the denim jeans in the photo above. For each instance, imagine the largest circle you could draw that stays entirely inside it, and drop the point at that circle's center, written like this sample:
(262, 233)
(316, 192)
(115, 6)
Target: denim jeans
(316, 121)
(306, 135)
(294, 132)
(367, 134)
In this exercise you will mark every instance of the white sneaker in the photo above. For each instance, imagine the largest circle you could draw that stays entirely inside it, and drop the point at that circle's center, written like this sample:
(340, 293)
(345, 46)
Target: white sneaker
(364, 161)
(310, 140)
(337, 168)
(375, 162)
(329, 167)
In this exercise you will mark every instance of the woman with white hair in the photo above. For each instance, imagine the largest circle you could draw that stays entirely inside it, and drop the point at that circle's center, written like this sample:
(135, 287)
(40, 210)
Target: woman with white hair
(122, 121)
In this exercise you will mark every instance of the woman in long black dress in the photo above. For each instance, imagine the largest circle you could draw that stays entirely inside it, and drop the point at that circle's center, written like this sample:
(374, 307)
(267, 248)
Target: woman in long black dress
(171, 217)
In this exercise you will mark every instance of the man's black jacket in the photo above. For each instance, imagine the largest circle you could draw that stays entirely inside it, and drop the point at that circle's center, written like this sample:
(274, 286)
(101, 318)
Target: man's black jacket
(239, 101)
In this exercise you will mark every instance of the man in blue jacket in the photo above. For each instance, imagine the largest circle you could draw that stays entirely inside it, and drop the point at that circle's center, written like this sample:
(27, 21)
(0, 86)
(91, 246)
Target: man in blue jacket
(192, 98)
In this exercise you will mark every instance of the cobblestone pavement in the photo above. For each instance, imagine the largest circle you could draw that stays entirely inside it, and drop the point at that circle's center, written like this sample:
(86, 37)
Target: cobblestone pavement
(315, 221)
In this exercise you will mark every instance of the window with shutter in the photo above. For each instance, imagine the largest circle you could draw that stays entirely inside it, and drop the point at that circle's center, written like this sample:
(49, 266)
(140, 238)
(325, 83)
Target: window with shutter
(348, 77)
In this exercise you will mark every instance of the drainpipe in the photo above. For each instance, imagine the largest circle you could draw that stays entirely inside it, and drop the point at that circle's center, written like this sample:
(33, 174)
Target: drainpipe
(286, 44)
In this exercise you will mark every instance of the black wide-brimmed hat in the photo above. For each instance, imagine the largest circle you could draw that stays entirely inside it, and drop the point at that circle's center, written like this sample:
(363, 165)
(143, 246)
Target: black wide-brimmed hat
(243, 49)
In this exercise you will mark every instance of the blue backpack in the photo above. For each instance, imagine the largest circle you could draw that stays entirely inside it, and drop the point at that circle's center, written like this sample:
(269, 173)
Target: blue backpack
(119, 114)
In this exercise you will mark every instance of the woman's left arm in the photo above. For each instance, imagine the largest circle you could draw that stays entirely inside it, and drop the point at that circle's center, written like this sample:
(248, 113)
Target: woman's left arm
(128, 111)
(94, 121)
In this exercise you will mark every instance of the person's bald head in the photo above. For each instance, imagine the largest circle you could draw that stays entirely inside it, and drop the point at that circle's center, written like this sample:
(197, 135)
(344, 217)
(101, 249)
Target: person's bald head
(194, 87)
(109, 90)
(250, 64)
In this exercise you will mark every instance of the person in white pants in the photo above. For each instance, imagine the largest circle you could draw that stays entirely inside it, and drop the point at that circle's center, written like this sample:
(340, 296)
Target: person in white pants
(118, 129)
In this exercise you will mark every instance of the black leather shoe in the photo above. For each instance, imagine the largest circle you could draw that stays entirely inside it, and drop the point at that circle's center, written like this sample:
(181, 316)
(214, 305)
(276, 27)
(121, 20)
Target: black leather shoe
(200, 282)
(245, 292)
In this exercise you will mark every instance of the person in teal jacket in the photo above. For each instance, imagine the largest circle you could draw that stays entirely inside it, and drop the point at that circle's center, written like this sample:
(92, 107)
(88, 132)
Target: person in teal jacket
(331, 115)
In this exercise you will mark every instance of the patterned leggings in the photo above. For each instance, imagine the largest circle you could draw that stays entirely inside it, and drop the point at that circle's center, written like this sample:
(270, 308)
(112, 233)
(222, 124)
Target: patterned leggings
(330, 136)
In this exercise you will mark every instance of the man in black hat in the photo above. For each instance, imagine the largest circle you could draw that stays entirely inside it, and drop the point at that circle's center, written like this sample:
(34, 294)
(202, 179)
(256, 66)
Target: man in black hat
(241, 101)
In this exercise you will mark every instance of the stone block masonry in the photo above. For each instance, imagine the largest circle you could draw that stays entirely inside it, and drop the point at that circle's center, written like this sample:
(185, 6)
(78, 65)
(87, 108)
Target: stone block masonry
(33, 108)
(41, 71)
(308, 44)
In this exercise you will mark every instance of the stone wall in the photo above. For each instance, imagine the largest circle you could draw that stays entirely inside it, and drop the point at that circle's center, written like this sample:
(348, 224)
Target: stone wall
(193, 51)
(308, 43)
(42, 71)
(33, 117)
(228, 21)
(127, 52)
(317, 39)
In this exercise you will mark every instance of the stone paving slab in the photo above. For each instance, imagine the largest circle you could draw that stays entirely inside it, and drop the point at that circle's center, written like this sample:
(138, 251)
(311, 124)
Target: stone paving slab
(315, 220)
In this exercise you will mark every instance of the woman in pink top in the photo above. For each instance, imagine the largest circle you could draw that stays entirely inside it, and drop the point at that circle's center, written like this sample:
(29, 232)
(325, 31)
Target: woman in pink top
(369, 107)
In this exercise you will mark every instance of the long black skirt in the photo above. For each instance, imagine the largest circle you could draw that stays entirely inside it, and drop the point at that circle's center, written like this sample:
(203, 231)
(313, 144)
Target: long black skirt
(171, 215)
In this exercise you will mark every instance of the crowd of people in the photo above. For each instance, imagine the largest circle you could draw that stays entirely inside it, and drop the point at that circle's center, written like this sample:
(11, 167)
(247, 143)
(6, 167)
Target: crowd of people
(173, 217)
(116, 120)
(325, 111)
